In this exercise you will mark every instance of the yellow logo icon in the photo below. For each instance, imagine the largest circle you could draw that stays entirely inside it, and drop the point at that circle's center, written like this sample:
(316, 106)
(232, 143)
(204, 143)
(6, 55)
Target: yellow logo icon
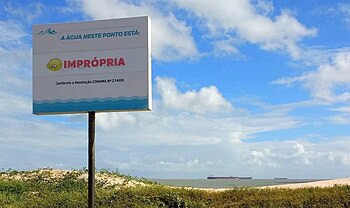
(54, 64)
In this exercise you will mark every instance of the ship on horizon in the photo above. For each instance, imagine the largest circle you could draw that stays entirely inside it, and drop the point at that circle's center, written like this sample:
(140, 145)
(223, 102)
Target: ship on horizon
(229, 177)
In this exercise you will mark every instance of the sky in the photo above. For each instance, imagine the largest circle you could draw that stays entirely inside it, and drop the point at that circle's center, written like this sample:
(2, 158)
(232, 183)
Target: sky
(240, 88)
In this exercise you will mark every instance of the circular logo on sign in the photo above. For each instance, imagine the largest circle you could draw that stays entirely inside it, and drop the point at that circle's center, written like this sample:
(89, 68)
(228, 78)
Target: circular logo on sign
(54, 64)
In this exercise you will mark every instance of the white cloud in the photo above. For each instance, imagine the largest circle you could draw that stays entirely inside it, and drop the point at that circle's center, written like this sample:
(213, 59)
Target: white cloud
(343, 109)
(108, 121)
(171, 37)
(341, 115)
(330, 82)
(224, 48)
(329, 158)
(256, 158)
(164, 126)
(28, 12)
(341, 10)
(11, 103)
(286, 157)
(339, 119)
(12, 34)
(249, 22)
(192, 163)
(15, 87)
(345, 11)
(264, 7)
(206, 100)
(15, 70)
(317, 56)
(228, 25)
(160, 128)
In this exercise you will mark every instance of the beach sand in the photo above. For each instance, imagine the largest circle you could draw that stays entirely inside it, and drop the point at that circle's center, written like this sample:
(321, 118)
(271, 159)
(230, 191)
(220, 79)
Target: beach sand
(321, 184)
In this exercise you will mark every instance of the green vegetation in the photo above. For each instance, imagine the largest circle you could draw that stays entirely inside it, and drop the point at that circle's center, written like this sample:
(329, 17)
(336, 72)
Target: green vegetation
(68, 189)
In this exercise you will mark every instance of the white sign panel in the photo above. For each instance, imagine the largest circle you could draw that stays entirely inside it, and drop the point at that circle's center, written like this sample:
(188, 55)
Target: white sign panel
(99, 66)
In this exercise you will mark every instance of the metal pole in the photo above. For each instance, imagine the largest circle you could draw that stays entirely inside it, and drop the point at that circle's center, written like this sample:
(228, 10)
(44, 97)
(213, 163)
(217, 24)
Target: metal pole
(91, 165)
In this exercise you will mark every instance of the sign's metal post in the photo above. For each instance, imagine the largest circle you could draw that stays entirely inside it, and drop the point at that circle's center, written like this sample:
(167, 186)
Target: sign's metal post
(91, 165)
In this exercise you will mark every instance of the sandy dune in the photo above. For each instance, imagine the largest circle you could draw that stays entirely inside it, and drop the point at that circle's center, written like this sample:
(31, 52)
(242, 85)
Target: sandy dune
(53, 175)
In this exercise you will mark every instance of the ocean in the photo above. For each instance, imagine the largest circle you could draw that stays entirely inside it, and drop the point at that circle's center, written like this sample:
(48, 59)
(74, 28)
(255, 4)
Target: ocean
(229, 183)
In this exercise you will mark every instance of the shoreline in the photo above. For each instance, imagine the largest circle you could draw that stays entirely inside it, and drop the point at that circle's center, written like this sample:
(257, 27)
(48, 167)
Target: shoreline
(320, 184)
(316, 184)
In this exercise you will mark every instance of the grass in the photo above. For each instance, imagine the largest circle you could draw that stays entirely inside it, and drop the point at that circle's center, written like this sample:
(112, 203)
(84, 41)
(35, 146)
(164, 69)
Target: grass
(38, 189)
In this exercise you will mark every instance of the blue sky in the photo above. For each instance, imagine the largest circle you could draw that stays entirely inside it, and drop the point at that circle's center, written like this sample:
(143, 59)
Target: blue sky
(258, 88)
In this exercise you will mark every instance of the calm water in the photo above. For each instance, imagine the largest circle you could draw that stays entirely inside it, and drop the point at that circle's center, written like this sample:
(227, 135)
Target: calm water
(229, 183)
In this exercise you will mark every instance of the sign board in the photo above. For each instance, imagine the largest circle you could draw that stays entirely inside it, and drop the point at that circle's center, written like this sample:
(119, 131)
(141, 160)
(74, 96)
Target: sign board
(99, 66)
